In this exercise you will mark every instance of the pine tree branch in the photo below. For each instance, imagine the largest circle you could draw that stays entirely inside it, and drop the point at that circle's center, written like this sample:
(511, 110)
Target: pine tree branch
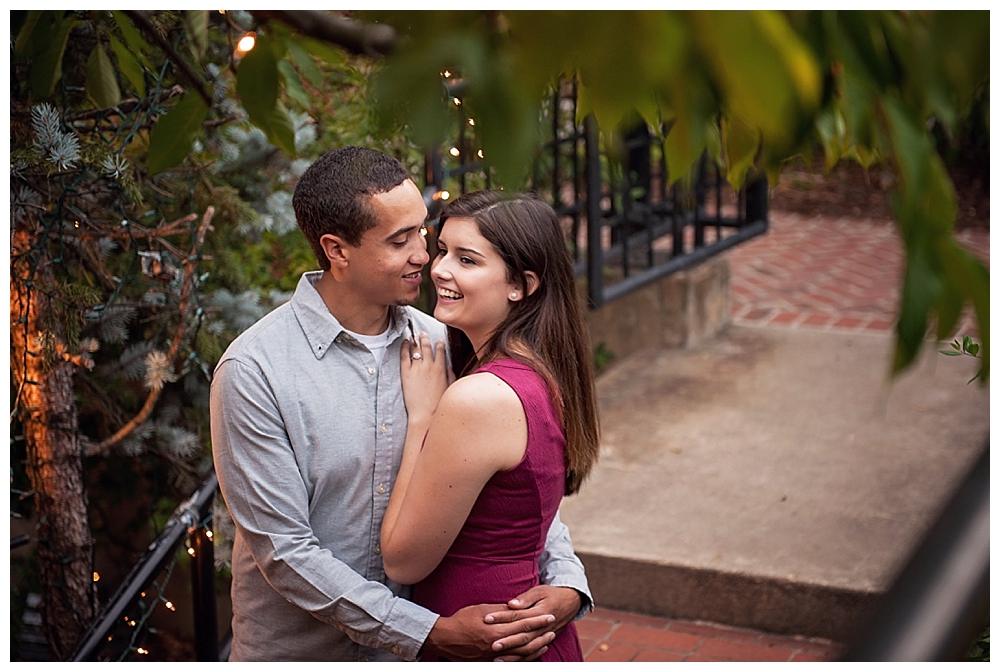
(187, 289)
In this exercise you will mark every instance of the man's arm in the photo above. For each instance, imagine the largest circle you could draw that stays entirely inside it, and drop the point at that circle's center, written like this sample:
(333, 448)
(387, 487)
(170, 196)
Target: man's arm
(267, 497)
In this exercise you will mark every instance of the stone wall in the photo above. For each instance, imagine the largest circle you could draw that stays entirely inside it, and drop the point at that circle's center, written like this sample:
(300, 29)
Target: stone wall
(678, 311)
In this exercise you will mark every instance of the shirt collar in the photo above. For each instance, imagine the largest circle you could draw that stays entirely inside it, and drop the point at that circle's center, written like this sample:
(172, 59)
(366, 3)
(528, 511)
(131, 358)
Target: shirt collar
(320, 326)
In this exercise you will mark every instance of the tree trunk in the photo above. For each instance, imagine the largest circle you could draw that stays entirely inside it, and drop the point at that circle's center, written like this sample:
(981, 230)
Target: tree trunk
(46, 406)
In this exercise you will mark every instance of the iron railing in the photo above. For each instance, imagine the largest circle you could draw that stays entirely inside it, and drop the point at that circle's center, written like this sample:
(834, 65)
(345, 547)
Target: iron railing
(625, 224)
(115, 632)
(940, 602)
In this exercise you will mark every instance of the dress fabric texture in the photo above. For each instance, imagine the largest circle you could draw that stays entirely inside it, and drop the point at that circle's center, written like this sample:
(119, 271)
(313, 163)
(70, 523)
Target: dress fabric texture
(495, 556)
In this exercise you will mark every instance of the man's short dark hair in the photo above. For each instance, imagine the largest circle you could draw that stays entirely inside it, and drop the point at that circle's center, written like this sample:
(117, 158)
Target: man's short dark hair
(334, 195)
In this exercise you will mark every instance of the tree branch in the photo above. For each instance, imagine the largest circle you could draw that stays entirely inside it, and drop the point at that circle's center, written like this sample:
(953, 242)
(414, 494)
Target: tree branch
(141, 19)
(187, 288)
(365, 39)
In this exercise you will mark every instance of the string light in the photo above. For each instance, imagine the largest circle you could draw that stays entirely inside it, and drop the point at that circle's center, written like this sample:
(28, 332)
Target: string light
(170, 605)
(142, 651)
(472, 122)
(480, 154)
(245, 44)
(191, 552)
(446, 73)
(97, 577)
(208, 533)
(454, 151)
(456, 101)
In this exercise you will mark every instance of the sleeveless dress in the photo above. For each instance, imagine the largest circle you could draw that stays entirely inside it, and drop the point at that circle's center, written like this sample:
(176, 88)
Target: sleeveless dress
(495, 556)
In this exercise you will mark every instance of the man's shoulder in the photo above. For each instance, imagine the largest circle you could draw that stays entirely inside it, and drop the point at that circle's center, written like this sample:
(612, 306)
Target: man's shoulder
(275, 327)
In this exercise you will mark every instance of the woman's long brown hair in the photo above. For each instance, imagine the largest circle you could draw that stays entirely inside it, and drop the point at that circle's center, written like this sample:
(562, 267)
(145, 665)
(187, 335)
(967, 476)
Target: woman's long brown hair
(544, 330)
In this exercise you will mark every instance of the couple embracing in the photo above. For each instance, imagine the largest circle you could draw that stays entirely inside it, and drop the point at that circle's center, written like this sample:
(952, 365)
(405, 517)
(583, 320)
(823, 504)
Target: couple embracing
(395, 478)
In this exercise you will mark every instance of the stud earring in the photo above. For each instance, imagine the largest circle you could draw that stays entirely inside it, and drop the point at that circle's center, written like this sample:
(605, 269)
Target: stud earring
(513, 296)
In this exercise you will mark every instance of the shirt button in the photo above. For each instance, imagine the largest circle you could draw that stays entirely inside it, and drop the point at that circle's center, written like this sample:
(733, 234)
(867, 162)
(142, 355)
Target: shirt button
(371, 369)
(394, 650)
(381, 489)
(378, 550)
(383, 429)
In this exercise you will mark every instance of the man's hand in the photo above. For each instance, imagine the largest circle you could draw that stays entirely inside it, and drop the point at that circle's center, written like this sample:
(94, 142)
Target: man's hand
(562, 603)
(467, 636)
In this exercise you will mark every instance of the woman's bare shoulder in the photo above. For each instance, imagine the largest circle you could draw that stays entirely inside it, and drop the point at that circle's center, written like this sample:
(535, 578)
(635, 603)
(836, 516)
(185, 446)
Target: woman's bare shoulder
(478, 389)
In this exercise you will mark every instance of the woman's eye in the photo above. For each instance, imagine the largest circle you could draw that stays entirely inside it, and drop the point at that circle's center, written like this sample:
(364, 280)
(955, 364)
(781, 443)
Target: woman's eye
(466, 260)
(441, 252)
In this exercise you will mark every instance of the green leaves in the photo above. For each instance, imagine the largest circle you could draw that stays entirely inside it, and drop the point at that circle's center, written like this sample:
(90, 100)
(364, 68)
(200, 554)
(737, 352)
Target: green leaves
(42, 40)
(174, 133)
(257, 84)
(102, 84)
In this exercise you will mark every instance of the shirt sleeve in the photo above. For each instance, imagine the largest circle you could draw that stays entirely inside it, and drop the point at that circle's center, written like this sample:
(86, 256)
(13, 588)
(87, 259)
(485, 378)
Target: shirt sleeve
(558, 565)
(267, 498)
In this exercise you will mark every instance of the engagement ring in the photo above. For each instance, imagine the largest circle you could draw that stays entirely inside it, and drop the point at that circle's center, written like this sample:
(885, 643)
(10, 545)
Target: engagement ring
(417, 355)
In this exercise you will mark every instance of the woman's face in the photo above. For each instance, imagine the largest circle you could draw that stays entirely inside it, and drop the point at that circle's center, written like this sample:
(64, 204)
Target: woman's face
(473, 293)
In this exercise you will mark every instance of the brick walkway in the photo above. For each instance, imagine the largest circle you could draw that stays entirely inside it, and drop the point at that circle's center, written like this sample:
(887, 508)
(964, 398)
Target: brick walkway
(831, 274)
(615, 636)
(804, 273)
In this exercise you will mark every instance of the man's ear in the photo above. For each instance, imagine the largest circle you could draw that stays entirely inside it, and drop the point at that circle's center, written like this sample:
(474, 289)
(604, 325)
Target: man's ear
(533, 281)
(335, 249)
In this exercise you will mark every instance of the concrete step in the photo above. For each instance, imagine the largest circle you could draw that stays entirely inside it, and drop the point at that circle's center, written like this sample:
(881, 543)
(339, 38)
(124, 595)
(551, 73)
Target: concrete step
(771, 479)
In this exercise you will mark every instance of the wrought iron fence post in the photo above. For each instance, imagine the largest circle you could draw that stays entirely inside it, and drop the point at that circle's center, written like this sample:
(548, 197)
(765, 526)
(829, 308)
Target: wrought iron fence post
(595, 258)
(756, 200)
(206, 637)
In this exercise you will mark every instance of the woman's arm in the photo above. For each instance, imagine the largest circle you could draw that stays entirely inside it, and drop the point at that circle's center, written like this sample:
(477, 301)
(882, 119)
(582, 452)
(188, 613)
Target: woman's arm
(478, 429)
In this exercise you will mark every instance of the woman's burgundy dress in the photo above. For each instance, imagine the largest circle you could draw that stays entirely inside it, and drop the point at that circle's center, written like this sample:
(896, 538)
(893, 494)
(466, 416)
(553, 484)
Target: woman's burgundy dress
(495, 556)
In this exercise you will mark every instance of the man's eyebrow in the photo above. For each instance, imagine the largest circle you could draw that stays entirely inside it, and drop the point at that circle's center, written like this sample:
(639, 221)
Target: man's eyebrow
(400, 231)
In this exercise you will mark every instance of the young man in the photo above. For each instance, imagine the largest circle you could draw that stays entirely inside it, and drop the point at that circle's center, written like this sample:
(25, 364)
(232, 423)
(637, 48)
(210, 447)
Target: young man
(308, 424)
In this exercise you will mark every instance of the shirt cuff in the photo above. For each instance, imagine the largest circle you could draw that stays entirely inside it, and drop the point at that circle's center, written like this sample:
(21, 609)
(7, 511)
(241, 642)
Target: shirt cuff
(405, 629)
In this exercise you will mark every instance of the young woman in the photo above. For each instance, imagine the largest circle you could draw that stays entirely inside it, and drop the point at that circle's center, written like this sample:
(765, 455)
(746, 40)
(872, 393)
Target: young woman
(488, 459)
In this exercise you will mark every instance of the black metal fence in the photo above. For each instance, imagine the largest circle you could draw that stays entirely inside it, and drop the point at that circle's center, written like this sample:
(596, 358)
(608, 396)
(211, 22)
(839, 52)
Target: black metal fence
(625, 223)
(117, 634)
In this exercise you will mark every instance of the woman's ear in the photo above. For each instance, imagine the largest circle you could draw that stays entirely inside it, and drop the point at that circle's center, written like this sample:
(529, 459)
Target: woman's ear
(334, 249)
(533, 281)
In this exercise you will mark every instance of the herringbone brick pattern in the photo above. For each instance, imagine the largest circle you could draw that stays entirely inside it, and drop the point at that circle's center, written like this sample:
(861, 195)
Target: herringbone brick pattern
(827, 273)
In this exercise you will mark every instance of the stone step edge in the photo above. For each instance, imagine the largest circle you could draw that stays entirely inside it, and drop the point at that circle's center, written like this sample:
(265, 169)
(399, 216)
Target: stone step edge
(768, 604)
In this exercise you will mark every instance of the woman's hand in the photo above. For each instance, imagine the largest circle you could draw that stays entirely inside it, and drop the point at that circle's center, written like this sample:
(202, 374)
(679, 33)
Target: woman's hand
(425, 375)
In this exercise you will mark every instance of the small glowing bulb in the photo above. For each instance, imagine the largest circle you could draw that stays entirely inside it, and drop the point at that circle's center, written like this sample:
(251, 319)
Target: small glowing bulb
(246, 43)
(109, 638)
(472, 122)
(132, 623)
(456, 101)
(454, 151)
(142, 651)
(142, 594)
(446, 73)
(76, 224)
(445, 195)
(170, 605)
(97, 577)
(479, 153)
(208, 534)
(191, 552)
(423, 231)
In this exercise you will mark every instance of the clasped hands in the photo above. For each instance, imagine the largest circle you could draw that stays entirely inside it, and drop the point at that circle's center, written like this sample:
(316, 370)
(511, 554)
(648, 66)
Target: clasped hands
(520, 630)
